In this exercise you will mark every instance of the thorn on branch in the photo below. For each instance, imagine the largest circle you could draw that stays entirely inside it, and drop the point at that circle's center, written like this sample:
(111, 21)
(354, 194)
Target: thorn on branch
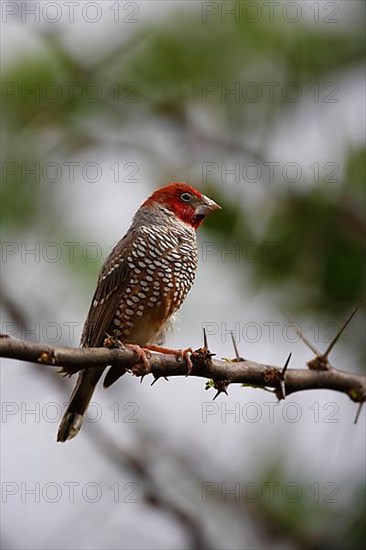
(221, 386)
(341, 330)
(156, 378)
(302, 336)
(320, 362)
(275, 377)
(283, 376)
(204, 352)
(237, 359)
(358, 412)
(205, 342)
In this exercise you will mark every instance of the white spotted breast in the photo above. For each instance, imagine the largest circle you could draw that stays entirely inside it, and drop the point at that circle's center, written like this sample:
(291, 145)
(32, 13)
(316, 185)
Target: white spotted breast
(161, 266)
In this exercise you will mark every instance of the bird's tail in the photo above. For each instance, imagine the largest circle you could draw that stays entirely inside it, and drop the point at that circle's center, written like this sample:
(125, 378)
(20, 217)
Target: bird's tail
(73, 418)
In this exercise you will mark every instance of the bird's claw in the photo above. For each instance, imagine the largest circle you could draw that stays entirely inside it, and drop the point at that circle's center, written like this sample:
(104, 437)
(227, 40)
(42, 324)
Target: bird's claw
(179, 353)
(186, 354)
(143, 358)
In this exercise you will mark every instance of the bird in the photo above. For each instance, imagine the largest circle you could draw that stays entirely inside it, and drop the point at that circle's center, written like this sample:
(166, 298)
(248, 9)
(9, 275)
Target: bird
(142, 284)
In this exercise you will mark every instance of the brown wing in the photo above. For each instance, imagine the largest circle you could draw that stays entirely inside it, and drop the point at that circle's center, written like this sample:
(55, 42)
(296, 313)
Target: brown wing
(111, 285)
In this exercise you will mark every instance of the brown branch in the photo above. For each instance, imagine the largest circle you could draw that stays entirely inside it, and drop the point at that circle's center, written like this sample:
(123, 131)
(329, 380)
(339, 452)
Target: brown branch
(222, 373)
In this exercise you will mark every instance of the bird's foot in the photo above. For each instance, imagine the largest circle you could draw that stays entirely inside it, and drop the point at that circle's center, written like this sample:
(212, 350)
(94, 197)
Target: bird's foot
(141, 366)
(143, 359)
(181, 353)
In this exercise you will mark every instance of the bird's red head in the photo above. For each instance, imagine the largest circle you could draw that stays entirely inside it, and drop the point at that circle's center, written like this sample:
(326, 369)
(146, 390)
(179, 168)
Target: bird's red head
(188, 204)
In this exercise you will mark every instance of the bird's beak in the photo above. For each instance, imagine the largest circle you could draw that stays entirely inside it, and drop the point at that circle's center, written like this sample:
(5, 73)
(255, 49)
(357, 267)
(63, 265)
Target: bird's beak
(206, 207)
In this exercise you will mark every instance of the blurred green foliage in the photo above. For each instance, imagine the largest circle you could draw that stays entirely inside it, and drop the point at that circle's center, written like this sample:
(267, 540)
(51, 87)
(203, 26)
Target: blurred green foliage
(312, 514)
(327, 231)
(161, 72)
(179, 74)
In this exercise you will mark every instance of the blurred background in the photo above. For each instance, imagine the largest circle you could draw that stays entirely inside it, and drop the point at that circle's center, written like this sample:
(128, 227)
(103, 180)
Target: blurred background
(261, 106)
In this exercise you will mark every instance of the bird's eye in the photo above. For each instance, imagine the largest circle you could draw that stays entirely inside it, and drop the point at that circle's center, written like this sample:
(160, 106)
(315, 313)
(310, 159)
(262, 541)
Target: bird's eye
(186, 197)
